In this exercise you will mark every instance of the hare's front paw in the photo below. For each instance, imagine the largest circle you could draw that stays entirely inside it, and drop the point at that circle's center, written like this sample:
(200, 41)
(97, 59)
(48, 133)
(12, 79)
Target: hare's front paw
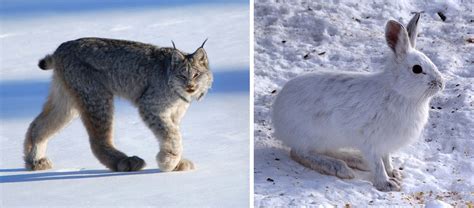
(397, 174)
(389, 185)
(184, 165)
(133, 163)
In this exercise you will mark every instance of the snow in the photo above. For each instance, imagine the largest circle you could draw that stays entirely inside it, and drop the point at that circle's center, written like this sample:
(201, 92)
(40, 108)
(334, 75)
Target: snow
(215, 130)
(188, 27)
(437, 204)
(294, 37)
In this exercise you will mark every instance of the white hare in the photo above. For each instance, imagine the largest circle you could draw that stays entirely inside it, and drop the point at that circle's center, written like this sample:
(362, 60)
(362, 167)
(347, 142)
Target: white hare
(320, 115)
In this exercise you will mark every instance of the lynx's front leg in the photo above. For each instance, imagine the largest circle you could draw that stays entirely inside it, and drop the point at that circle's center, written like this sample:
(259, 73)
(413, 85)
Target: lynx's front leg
(160, 121)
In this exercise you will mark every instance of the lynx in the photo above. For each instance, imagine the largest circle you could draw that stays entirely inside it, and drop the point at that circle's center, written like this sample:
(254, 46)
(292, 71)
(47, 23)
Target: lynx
(89, 72)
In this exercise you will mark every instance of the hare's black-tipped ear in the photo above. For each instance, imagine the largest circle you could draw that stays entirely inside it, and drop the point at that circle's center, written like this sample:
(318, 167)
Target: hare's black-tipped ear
(397, 38)
(412, 29)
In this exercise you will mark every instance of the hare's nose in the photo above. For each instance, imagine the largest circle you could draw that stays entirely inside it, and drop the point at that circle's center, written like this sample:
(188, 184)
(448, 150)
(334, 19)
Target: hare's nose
(441, 84)
(438, 83)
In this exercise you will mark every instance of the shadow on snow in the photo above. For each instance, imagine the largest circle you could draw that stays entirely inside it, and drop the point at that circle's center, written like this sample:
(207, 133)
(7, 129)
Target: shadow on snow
(79, 174)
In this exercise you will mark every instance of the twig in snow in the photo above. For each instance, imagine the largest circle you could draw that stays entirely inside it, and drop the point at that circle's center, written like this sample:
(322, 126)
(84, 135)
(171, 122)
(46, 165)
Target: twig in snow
(307, 55)
(442, 16)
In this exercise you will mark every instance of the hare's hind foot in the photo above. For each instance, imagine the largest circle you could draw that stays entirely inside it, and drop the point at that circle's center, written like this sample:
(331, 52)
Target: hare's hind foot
(353, 159)
(128, 164)
(323, 164)
(41, 164)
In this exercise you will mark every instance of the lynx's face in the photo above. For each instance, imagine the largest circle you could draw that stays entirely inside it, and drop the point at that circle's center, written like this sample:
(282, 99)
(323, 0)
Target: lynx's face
(190, 74)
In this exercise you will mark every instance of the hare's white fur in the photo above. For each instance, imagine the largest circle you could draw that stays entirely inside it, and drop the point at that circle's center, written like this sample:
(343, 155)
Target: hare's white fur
(317, 114)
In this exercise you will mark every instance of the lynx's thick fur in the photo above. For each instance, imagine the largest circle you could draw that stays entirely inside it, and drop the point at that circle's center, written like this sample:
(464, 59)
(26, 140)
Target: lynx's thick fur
(89, 72)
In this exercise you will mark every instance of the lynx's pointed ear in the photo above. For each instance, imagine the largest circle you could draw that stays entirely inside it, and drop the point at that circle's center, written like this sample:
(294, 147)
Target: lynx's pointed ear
(200, 57)
(176, 57)
(397, 38)
(412, 29)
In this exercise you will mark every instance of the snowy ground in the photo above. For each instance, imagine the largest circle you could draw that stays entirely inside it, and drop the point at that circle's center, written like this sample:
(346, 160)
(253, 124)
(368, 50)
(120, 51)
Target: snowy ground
(215, 131)
(296, 37)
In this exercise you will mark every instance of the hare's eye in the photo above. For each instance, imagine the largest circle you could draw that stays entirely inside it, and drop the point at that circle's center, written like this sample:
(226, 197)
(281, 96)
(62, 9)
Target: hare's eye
(417, 69)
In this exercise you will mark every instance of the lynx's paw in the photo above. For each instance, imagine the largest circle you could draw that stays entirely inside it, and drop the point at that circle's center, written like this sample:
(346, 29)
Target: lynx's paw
(133, 163)
(390, 185)
(167, 161)
(41, 164)
(184, 165)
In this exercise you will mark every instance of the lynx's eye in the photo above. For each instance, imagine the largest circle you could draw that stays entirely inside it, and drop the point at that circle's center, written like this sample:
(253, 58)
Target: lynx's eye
(417, 69)
(196, 75)
(181, 77)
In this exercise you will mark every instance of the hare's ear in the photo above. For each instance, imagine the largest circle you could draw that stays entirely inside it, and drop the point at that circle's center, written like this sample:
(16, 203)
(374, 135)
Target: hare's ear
(397, 38)
(412, 29)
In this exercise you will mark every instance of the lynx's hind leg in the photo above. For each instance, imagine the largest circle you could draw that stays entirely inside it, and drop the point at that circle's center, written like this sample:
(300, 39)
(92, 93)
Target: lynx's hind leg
(352, 158)
(96, 107)
(323, 164)
(58, 110)
(97, 116)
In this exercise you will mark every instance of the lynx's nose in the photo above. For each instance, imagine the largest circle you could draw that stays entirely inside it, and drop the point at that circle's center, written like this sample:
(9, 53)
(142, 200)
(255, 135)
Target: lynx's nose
(190, 88)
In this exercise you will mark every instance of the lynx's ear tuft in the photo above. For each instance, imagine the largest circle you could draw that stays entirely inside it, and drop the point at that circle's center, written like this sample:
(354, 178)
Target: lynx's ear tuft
(202, 46)
(174, 47)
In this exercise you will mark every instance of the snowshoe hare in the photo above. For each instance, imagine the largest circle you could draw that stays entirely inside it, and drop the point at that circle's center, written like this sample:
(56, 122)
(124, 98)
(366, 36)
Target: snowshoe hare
(321, 115)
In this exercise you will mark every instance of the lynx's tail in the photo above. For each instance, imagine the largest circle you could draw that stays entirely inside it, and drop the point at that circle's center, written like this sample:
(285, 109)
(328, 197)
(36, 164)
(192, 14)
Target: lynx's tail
(46, 63)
